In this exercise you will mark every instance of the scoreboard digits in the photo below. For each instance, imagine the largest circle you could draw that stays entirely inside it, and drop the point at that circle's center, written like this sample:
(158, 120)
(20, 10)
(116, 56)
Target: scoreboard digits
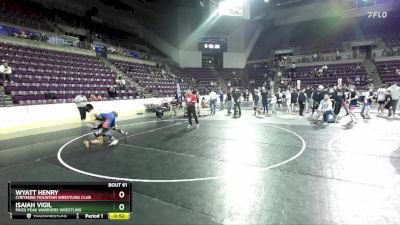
(71, 200)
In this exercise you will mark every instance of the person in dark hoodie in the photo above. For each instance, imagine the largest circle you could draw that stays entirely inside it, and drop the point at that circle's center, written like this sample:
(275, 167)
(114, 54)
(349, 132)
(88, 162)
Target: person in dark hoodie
(236, 101)
(302, 101)
(294, 96)
(316, 96)
(388, 100)
(264, 99)
(256, 99)
(339, 97)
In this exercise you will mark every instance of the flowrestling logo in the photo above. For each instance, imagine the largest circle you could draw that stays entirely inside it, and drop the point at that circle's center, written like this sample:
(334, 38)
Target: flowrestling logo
(379, 15)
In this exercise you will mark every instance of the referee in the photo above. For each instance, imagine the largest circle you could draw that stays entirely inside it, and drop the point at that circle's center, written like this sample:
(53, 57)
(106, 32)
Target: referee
(191, 100)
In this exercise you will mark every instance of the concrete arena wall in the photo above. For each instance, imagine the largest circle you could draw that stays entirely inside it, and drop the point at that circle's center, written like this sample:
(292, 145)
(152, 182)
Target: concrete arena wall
(22, 118)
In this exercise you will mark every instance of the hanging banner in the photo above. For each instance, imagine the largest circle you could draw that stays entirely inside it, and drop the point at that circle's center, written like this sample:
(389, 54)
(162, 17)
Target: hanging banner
(298, 84)
(339, 81)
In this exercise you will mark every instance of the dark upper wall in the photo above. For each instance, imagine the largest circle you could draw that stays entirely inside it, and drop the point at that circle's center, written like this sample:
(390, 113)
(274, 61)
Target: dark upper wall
(325, 33)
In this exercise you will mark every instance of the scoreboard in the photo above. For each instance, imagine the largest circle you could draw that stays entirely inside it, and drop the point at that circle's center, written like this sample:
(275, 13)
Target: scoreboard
(71, 200)
(213, 44)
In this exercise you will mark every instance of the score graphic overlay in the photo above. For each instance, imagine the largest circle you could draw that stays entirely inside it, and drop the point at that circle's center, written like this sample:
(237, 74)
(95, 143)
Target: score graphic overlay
(71, 200)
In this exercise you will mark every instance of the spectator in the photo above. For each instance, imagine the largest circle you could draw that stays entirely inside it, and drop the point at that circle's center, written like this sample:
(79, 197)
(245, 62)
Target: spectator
(315, 56)
(357, 80)
(80, 101)
(95, 97)
(98, 97)
(221, 99)
(236, 99)
(44, 37)
(6, 72)
(213, 101)
(293, 68)
(203, 103)
(395, 92)
(309, 103)
(112, 93)
(302, 99)
(293, 99)
(228, 100)
(23, 35)
(338, 57)
(92, 98)
(191, 100)
(325, 107)
(120, 81)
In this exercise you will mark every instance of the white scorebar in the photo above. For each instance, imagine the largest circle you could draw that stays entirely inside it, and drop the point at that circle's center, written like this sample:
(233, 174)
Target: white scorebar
(212, 46)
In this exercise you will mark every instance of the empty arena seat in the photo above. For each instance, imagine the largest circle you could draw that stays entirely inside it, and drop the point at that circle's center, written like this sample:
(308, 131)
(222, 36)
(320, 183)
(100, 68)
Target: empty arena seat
(344, 71)
(155, 79)
(387, 70)
(39, 71)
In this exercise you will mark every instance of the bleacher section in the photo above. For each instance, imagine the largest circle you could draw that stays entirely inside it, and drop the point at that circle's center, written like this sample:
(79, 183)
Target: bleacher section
(236, 77)
(258, 74)
(26, 14)
(349, 72)
(392, 40)
(387, 70)
(201, 79)
(156, 80)
(45, 76)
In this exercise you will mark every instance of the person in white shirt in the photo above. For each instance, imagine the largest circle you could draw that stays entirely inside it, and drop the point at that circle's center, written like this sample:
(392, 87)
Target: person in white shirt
(325, 107)
(213, 101)
(273, 103)
(121, 81)
(381, 98)
(80, 101)
(6, 72)
(288, 96)
(256, 99)
(395, 92)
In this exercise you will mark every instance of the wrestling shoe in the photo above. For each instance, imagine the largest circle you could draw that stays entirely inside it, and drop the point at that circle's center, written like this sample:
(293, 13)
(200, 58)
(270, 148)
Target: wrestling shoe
(189, 126)
(86, 143)
(124, 133)
(114, 143)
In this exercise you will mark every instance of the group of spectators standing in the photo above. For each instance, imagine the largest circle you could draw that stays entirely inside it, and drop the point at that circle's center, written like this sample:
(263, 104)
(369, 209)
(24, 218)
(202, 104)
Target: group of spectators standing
(322, 101)
(31, 36)
(328, 101)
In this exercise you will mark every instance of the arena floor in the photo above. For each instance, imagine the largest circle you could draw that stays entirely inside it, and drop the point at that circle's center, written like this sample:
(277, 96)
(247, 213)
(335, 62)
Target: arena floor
(265, 170)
